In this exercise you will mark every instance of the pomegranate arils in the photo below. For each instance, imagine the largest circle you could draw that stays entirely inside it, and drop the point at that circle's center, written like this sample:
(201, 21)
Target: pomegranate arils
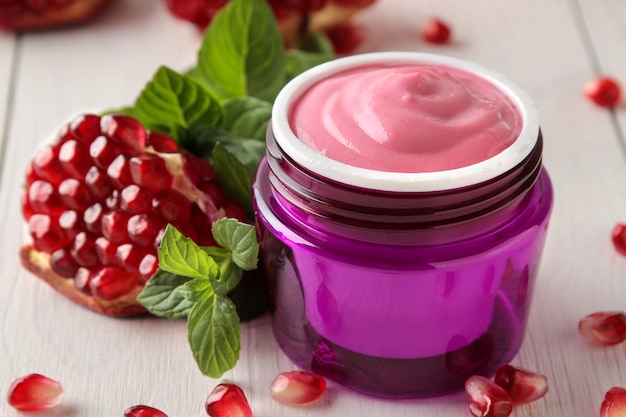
(521, 384)
(106, 251)
(143, 228)
(92, 218)
(46, 164)
(46, 232)
(345, 38)
(106, 284)
(614, 404)
(43, 198)
(135, 200)
(150, 172)
(34, 392)
(143, 411)
(85, 127)
(297, 387)
(119, 172)
(63, 263)
(486, 399)
(161, 143)
(128, 131)
(75, 194)
(604, 328)
(604, 92)
(227, 400)
(103, 151)
(130, 256)
(148, 266)
(114, 225)
(618, 236)
(436, 31)
(84, 250)
(98, 182)
(74, 158)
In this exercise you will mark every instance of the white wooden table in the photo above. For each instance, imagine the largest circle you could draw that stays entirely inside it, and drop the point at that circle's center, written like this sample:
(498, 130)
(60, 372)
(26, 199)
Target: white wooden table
(550, 47)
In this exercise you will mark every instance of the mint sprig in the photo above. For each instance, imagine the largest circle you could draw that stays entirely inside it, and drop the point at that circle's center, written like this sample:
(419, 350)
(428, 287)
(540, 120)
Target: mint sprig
(194, 282)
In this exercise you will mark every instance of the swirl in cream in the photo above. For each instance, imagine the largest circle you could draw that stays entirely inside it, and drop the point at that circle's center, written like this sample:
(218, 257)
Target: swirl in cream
(408, 118)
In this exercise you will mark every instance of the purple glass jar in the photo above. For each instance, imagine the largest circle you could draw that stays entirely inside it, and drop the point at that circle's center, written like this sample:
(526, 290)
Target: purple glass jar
(394, 284)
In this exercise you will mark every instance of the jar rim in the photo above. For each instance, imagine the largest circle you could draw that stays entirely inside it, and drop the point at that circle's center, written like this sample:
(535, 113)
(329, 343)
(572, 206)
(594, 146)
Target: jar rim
(402, 181)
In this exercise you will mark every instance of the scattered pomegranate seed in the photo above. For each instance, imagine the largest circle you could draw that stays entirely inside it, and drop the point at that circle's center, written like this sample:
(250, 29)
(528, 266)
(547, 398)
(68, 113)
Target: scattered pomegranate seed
(604, 91)
(297, 387)
(619, 238)
(486, 399)
(345, 38)
(34, 392)
(522, 385)
(604, 328)
(227, 400)
(143, 411)
(436, 31)
(614, 404)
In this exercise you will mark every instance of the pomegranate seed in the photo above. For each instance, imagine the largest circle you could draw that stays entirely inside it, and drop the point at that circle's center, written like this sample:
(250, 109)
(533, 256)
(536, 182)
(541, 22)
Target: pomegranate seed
(75, 194)
(345, 38)
(148, 266)
(213, 190)
(614, 404)
(486, 399)
(172, 206)
(144, 228)
(34, 392)
(161, 143)
(235, 210)
(119, 172)
(106, 251)
(227, 400)
(126, 130)
(436, 31)
(82, 279)
(111, 282)
(98, 182)
(84, 250)
(150, 172)
(114, 226)
(135, 200)
(196, 169)
(103, 151)
(113, 200)
(130, 256)
(44, 199)
(47, 166)
(521, 384)
(297, 387)
(604, 328)
(71, 223)
(143, 411)
(619, 238)
(604, 91)
(63, 263)
(93, 218)
(85, 128)
(46, 233)
(74, 158)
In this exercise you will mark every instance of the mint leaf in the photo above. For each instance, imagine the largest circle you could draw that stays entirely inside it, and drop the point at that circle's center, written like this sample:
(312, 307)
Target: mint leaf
(240, 239)
(214, 335)
(230, 273)
(247, 117)
(161, 297)
(249, 152)
(242, 52)
(197, 290)
(172, 102)
(299, 61)
(180, 255)
(234, 177)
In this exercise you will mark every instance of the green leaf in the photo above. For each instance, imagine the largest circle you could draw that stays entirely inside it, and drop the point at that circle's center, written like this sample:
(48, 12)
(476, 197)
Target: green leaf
(180, 255)
(172, 102)
(197, 290)
(214, 335)
(249, 152)
(234, 177)
(230, 273)
(316, 42)
(247, 117)
(299, 61)
(161, 297)
(242, 52)
(240, 239)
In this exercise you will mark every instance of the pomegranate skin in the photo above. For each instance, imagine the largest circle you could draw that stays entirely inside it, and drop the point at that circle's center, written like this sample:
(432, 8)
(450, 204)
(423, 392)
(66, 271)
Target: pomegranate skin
(19, 16)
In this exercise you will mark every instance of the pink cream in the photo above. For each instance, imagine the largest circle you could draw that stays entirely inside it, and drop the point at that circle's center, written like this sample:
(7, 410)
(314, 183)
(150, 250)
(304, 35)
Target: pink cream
(406, 118)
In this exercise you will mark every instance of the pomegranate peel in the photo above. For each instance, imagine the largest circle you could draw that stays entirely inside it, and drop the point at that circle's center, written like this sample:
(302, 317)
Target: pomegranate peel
(25, 17)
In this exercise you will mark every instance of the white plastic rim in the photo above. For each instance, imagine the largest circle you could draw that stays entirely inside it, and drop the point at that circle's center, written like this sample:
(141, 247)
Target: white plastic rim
(401, 181)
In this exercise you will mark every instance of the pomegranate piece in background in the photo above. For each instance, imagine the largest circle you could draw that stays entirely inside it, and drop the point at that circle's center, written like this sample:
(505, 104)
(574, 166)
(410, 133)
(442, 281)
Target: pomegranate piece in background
(522, 385)
(143, 411)
(227, 400)
(604, 92)
(297, 387)
(34, 392)
(618, 236)
(436, 31)
(614, 404)
(97, 201)
(486, 399)
(604, 328)
(22, 15)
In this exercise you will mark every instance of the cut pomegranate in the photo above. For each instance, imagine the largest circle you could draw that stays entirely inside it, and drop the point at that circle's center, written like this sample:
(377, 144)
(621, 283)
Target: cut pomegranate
(604, 91)
(614, 404)
(619, 238)
(297, 387)
(436, 31)
(295, 18)
(604, 328)
(143, 411)
(522, 385)
(44, 14)
(486, 399)
(97, 201)
(227, 400)
(34, 392)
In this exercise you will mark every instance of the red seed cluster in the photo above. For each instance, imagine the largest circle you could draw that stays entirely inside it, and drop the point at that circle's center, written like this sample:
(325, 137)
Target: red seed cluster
(34, 392)
(99, 198)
